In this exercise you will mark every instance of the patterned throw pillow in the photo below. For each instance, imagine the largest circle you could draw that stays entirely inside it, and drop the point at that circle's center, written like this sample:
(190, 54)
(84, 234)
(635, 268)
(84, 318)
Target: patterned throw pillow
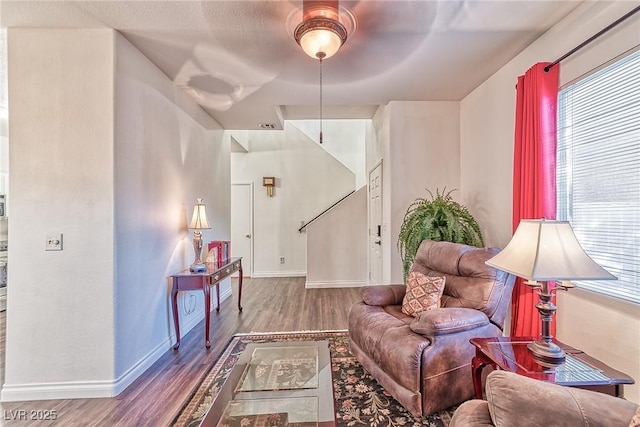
(635, 421)
(423, 293)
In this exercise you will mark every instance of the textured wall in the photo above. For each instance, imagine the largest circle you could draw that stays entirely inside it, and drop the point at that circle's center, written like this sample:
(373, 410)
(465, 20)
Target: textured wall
(418, 143)
(60, 304)
(168, 152)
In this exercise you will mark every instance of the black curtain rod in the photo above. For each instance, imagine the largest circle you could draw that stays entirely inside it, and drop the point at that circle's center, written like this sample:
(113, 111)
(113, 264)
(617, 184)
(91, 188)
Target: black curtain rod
(592, 38)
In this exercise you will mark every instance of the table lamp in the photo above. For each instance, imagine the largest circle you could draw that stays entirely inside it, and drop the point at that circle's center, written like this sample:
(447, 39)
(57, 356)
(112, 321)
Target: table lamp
(198, 222)
(541, 251)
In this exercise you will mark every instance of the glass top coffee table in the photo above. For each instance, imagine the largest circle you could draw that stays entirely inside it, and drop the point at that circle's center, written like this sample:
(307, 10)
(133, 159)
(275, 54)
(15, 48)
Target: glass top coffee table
(277, 384)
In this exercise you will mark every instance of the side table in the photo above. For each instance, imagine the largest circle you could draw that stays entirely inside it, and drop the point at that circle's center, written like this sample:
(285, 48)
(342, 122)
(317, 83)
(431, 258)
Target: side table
(578, 370)
(187, 280)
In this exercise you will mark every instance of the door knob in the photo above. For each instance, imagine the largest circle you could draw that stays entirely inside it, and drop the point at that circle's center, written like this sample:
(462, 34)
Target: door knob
(248, 236)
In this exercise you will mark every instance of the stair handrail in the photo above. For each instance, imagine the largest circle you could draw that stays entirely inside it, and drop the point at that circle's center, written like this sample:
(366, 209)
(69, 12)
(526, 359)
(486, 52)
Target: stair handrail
(324, 211)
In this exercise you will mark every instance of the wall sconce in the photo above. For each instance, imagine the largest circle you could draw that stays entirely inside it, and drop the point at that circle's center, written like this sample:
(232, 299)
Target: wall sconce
(269, 182)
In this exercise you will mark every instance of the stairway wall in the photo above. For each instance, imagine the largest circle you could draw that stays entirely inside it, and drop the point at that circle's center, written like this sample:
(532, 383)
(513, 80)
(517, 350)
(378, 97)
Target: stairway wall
(344, 139)
(337, 245)
(308, 180)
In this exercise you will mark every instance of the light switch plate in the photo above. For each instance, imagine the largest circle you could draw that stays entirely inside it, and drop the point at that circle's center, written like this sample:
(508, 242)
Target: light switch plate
(53, 242)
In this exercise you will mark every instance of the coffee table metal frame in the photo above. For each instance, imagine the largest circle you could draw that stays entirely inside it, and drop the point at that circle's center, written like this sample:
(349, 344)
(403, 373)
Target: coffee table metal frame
(324, 392)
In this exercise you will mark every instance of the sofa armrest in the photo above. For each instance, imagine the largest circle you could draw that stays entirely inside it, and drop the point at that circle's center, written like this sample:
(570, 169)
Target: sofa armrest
(516, 400)
(383, 295)
(472, 413)
(443, 321)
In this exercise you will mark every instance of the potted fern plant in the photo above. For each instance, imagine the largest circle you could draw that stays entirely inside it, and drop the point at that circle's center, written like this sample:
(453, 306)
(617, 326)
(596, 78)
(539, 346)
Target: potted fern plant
(439, 218)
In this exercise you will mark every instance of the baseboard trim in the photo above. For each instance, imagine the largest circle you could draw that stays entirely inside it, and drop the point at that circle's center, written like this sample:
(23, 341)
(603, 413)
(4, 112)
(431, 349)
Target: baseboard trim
(335, 284)
(103, 388)
(292, 273)
(57, 390)
(145, 363)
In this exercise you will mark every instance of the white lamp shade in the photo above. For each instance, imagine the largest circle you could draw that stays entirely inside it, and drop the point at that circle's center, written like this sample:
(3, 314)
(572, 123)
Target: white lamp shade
(544, 250)
(199, 219)
(320, 40)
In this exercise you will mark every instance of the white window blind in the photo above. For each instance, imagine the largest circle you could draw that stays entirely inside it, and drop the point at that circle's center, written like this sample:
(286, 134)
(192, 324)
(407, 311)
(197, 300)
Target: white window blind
(598, 171)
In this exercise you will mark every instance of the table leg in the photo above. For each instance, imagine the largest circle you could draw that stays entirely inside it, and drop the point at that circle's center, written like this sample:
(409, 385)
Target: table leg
(218, 296)
(477, 364)
(207, 313)
(240, 287)
(174, 308)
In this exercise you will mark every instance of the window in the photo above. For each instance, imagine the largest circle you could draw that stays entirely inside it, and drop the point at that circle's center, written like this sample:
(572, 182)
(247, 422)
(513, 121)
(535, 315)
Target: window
(598, 171)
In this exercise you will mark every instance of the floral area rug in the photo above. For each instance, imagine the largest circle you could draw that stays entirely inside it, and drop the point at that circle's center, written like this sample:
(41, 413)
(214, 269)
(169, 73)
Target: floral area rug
(359, 399)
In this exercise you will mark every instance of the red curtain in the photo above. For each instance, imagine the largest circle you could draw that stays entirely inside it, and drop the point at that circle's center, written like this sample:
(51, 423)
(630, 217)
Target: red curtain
(534, 175)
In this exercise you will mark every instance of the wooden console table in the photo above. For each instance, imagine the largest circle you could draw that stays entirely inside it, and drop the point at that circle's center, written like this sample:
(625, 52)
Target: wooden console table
(578, 370)
(189, 281)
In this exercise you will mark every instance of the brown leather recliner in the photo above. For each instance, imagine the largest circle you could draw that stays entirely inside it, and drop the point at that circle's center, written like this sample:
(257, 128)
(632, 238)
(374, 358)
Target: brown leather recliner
(425, 361)
(515, 400)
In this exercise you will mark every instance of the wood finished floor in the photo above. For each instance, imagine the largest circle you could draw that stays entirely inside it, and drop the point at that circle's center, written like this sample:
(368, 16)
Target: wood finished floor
(270, 305)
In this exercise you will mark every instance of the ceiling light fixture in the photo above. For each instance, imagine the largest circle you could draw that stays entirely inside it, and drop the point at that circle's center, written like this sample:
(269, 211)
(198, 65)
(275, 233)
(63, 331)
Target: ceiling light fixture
(321, 33)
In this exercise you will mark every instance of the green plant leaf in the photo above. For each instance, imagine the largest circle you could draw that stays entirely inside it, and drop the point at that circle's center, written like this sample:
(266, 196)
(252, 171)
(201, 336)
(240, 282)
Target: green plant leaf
(439, 218)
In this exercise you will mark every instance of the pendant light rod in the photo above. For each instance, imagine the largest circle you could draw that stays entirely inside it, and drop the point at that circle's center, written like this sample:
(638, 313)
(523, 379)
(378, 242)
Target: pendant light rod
(324, 29)
(320, 56)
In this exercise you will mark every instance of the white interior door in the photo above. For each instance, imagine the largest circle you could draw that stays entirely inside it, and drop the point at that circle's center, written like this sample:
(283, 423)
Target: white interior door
(242, 225)
(375, 225)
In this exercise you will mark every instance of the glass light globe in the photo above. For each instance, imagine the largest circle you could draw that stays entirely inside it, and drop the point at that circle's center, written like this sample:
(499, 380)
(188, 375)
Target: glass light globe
(319, 41)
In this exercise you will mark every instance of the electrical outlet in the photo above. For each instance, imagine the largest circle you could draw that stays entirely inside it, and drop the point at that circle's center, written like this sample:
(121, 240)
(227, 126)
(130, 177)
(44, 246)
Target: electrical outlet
(53, 242)
(281, 260)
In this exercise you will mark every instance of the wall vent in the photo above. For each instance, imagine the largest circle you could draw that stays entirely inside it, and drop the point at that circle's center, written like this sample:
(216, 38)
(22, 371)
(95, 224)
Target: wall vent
(267, 126)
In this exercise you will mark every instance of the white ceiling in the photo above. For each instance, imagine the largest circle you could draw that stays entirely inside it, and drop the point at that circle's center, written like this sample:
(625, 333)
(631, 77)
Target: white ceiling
(239, 61)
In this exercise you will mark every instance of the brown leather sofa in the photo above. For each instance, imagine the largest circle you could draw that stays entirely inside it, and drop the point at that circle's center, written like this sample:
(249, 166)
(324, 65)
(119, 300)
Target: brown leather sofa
(424, 362)
(515, 400)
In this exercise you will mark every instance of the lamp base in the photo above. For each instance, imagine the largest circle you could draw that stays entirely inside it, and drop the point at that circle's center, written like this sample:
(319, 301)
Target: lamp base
(547, 352)
(198, 268)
